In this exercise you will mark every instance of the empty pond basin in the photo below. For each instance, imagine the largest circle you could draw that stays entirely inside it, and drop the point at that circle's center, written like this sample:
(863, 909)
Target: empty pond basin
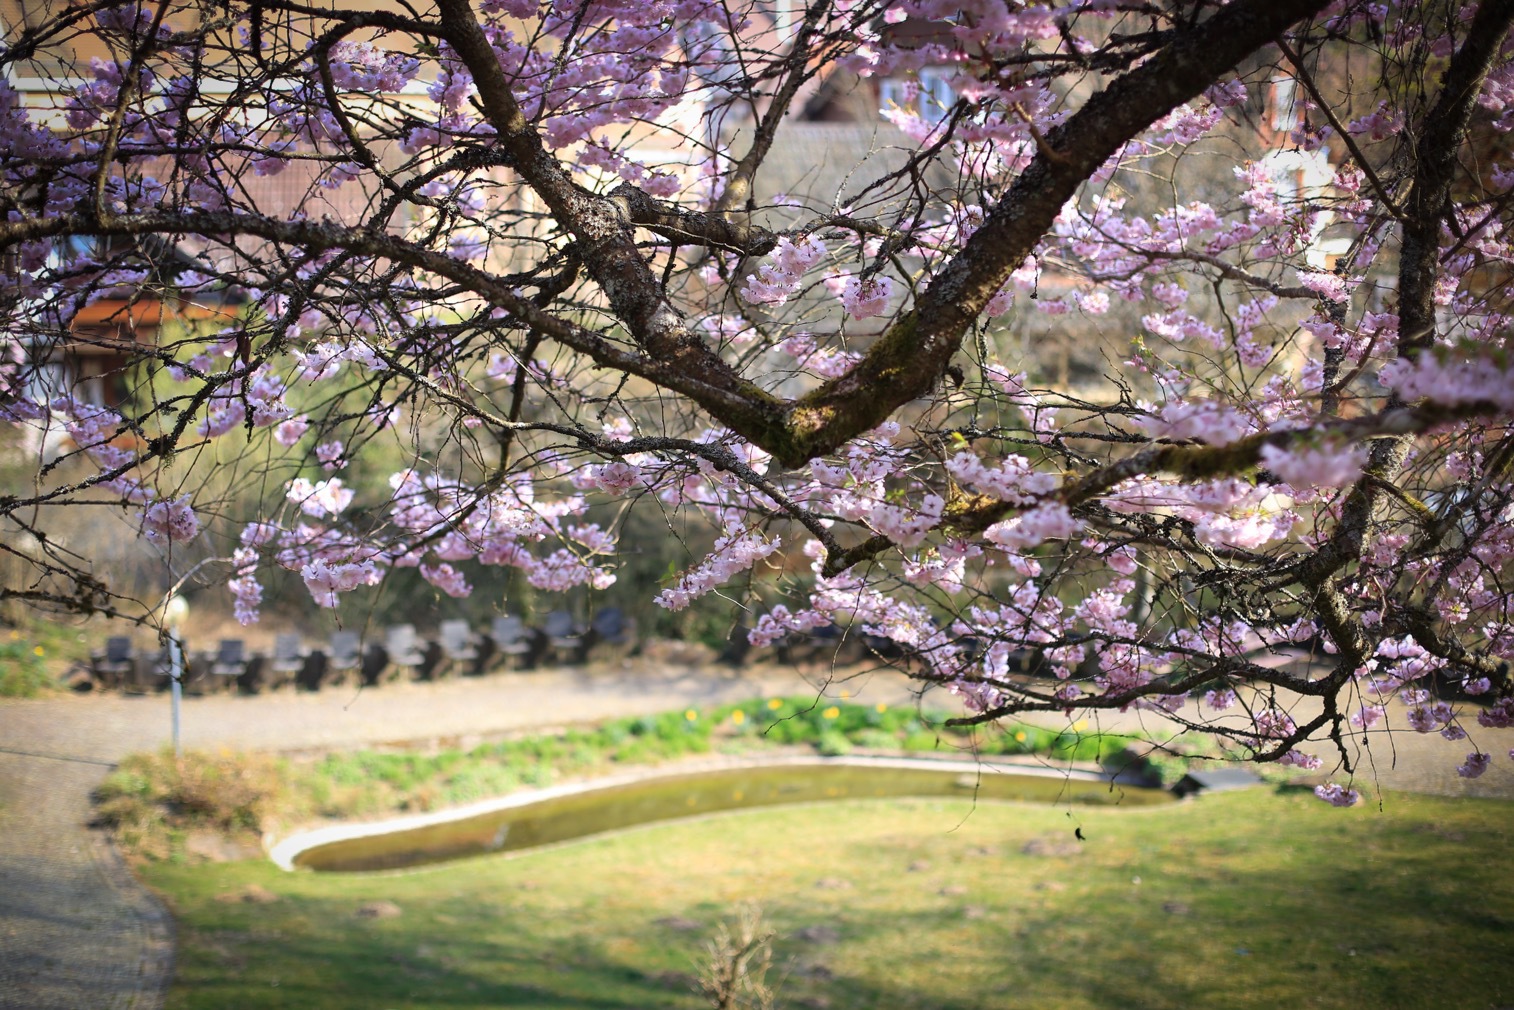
(527, 820)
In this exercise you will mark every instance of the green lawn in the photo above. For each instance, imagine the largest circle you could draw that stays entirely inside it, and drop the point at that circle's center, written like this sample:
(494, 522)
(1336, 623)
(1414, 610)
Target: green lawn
(1258, 899)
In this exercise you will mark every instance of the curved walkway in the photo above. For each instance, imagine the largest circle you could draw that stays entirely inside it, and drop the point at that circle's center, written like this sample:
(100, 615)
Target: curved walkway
(76, 930)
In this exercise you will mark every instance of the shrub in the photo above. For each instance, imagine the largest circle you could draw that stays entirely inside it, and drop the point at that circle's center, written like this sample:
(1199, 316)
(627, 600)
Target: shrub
(833, 743)
(480, 781)
(791, 730)
(922, 740)
(1020, 740)
(639, 750)
(877, 739)
(152, 800)
(1072, 745)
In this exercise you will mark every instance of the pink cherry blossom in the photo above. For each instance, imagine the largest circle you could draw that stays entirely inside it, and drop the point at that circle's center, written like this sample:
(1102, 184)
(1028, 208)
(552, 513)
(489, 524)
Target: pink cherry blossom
(864, 298)
(1474, 766)
(1297, 759)
(618, 477)
(446, 578)
(327, 497)
(1045, 522)
(330, 455)
(1337, 795)
(1322, 466)
(170, 521)
(291, 431)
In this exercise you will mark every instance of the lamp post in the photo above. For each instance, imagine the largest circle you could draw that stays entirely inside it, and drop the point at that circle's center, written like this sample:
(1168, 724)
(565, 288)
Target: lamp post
(174, 613)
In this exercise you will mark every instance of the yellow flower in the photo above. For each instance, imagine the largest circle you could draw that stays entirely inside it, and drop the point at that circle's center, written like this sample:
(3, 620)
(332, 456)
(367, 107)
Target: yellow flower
(738, 717)
(845, 695)
(691, 715)
(39, 651)
(881, 707)
(1020, 736)
(831, 712)
(775, 703)
(1080, 725)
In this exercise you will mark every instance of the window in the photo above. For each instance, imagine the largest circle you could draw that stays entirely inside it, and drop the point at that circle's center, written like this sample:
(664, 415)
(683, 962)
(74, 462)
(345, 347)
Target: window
(928, 93)
(1285, 104)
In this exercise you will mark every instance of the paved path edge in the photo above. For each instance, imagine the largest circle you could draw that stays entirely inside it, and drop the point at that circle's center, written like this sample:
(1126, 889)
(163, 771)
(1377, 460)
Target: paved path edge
(155, 969)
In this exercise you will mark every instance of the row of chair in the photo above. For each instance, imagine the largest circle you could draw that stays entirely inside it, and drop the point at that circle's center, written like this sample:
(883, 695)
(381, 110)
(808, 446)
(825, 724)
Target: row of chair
(347, 658)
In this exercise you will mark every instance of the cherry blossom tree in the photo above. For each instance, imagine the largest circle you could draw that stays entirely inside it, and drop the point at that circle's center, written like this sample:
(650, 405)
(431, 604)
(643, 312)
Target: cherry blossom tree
(547, 253)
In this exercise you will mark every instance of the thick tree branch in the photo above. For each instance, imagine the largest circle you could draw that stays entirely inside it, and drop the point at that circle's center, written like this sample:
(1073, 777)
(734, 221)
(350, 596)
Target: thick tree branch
(909, 358)
(604, 233)
(682, 226)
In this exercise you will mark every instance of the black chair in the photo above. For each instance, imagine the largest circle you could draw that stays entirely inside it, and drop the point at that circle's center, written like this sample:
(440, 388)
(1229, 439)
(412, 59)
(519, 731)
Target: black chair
(403, 654)
(886, 649)
(565, 636)
(116, 665)
(198, 680)
(250, 669)
(151, 672)
(230, 659)
(826, 644)
(610, 627)
(79, 677)
(509, 636)
(344, 659)
(1028, 662)
(194, 677)
(288, 662)
(461, 652)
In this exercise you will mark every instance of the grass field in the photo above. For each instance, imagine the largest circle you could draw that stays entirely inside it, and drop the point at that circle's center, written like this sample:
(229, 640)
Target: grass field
(1255, 899)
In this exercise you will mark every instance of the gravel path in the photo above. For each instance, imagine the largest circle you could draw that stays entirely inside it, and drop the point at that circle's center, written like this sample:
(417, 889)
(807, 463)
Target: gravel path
(107, 727)
(76, 930)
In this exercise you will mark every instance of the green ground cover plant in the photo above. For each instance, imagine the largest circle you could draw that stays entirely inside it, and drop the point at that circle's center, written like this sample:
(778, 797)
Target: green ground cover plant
(23, 668)
(37, 654)
(1257, 899)
(155, 801)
